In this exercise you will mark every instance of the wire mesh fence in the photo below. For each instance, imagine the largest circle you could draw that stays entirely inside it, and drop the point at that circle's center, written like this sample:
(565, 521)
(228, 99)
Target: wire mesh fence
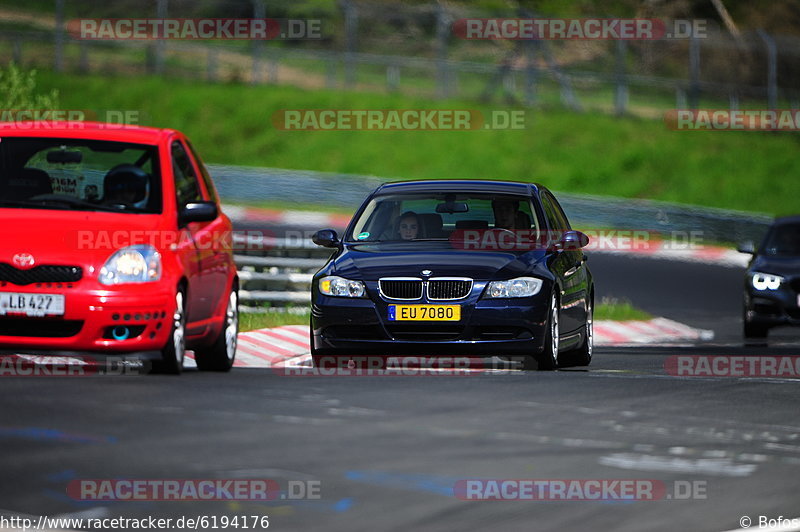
(417, 48)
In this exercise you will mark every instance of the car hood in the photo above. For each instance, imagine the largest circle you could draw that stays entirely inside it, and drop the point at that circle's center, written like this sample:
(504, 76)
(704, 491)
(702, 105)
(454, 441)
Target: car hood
(73, 237)
(783, 266)
(370, 263)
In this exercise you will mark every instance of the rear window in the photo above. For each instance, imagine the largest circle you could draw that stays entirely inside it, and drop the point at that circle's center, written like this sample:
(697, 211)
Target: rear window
(76, 174)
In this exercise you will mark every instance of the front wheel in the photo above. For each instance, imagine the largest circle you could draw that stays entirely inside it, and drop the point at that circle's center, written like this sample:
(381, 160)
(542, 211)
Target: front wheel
(175, 349)
(221, 354)
(582, 356)
(547, 360)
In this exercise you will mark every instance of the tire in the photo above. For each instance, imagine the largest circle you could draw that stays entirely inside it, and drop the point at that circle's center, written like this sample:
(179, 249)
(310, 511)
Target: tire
(173, 352)
(547, 360)
(753, 331)
(222, 353)
(582, 356)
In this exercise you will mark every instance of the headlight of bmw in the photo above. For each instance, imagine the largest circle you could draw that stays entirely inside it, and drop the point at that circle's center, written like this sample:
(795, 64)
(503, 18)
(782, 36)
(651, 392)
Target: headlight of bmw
(133, 264)
(341, 287)
(765, 281)
(519, 287)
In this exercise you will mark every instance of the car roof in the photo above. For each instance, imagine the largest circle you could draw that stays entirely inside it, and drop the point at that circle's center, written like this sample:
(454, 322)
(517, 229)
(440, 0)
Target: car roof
(86, 130)
(458, 185)
(784, 220)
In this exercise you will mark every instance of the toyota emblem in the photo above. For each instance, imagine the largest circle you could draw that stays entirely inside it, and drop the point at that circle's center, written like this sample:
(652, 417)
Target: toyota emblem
(426, 272)
(23, 261)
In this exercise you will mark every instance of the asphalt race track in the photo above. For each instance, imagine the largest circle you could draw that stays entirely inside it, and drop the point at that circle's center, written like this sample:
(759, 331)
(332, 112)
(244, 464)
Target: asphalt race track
(386, 452)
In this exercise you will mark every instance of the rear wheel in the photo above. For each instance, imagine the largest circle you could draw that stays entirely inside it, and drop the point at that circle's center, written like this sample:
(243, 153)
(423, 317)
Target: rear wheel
(221, 354)
(175, 349)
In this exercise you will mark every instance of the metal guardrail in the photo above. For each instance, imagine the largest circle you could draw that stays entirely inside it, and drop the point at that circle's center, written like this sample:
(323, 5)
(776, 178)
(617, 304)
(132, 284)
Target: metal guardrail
(276, 271)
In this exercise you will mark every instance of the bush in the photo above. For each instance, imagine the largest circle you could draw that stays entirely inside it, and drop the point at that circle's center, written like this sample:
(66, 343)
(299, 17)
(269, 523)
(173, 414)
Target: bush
(18, 90)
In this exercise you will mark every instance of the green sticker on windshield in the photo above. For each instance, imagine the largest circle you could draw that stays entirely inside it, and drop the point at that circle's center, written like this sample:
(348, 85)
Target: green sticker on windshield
(363, 236)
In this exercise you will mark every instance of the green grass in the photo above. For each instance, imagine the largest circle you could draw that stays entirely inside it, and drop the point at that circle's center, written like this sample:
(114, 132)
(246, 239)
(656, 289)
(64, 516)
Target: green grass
(619, 310)
(251, 321)
(588, 152)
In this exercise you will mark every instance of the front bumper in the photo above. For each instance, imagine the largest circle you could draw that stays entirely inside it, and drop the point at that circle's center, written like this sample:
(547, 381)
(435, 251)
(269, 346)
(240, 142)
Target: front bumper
(344, 326)
(772, 307)
(146, 311)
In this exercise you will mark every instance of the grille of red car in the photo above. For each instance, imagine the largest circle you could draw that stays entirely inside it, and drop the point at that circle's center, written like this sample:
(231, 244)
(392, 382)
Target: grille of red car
(39, 327)
(40, 274)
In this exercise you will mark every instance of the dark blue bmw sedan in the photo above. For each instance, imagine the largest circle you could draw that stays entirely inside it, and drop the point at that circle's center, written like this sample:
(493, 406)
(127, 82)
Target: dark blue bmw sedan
(456, 268)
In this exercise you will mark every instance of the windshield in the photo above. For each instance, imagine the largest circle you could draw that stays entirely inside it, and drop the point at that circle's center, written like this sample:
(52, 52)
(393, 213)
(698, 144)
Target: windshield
(783, 240)
(441, 216)
(77, 174)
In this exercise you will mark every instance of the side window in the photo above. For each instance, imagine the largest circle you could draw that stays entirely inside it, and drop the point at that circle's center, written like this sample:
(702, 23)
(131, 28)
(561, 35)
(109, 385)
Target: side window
(555, 215)
(212, 191)
(187, 189)
(559, 212)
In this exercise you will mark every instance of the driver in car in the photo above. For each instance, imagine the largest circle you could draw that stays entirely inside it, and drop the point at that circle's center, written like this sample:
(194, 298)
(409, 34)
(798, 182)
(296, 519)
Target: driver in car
(408, 225)
(505, 214)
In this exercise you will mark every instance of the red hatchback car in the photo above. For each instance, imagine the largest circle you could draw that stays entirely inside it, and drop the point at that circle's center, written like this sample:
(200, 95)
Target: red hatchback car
(114, 243)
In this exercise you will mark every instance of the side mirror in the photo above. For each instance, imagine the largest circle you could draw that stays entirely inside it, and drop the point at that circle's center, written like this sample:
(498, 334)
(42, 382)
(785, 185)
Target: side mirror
(573, 240)
(747, 247)
(326, 238)
(201, 211)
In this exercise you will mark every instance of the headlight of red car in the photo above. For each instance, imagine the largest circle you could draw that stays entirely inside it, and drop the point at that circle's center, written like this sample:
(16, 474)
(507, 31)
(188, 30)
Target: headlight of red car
(133, 264)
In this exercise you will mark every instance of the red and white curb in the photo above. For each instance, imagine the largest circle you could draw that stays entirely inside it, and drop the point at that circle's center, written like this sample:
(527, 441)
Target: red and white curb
(289, 345)
(315, 219)
(655, 331)
(268, 347)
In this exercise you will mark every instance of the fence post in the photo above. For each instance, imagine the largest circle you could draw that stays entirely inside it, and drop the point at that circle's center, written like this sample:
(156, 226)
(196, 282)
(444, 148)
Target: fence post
(211, 66)
(59, 51)
(621, 92)
(530, 73)
(694, 72)
(392, 78)
(350, 31)
(83, 61)
(16, 52)
(161, 13)
(330, 72)
(772, 69)
(259, 12)
(442, 30)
